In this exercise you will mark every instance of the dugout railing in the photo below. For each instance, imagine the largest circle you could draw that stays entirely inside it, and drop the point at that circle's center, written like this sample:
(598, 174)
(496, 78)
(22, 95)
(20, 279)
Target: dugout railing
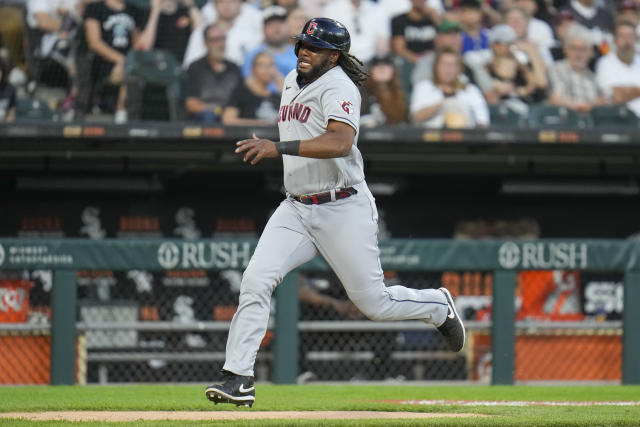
(504, 259)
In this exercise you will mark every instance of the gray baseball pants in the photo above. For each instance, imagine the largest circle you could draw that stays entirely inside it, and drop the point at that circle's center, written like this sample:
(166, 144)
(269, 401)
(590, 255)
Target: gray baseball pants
(345, 233)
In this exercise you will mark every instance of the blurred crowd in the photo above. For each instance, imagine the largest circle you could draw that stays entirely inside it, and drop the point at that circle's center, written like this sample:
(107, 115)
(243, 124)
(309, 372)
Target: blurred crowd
(436, 63)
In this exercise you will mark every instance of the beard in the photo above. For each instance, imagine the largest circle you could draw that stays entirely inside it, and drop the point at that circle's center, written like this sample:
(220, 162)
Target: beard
(626, 55)
(314, 72)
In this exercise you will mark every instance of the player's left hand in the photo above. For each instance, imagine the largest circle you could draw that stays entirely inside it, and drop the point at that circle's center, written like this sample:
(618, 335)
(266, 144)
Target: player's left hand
(256, 149)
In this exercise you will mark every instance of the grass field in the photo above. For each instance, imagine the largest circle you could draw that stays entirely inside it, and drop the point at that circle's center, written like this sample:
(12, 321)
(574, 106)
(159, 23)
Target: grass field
(336, 398)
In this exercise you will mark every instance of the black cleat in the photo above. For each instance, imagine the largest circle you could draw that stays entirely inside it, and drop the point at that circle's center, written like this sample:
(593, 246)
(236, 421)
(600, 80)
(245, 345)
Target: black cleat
(452, 329)
(235, 389)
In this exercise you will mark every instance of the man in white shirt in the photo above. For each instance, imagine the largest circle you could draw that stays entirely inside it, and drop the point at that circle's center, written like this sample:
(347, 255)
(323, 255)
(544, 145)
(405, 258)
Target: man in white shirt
(538, 31)
(244, 30)
(618, 73)
(55, 18)
(368, 24)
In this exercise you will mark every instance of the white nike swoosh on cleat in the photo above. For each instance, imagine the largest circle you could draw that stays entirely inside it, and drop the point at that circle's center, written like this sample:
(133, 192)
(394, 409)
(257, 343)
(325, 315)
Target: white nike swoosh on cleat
(245, 390)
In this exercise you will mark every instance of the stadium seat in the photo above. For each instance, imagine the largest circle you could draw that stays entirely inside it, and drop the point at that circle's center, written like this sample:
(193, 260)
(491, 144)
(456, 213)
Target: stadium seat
(614, 116)
(153, 82)
(550, 116)
(404, 70)
(501, 115)
(34, 109)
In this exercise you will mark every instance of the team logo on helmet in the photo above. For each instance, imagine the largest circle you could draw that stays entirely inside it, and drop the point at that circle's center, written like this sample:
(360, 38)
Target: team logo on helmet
(312, 28)
(347, 106)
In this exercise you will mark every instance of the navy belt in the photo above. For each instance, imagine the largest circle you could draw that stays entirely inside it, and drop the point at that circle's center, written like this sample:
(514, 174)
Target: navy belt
(320, 198)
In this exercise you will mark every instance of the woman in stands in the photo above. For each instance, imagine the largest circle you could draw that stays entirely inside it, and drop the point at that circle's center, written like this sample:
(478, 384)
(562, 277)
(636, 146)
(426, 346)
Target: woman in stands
(447, 101)
(517, 69)
(7, 94)
(252, 103)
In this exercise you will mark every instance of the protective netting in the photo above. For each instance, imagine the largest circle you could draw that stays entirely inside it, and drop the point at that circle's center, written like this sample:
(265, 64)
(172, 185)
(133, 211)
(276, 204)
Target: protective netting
(171, 326)
(338, 344)
(570, 326)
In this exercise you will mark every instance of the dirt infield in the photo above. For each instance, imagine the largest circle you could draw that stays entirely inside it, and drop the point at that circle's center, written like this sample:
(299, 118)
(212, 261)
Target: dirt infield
(220, 415)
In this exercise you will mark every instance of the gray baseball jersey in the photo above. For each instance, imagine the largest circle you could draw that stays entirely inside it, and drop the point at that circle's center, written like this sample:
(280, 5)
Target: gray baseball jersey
(344, 231)
(304, 114)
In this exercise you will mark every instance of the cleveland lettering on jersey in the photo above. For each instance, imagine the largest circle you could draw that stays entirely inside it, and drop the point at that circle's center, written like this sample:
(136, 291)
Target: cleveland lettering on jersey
(295, 111)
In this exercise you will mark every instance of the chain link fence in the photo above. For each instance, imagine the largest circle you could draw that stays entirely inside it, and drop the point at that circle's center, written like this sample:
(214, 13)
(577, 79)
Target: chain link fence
(337, 343)
(171, 326)
(570, 326)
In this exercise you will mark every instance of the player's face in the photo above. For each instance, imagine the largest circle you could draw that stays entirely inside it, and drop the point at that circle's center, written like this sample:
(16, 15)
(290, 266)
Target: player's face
(314, 61)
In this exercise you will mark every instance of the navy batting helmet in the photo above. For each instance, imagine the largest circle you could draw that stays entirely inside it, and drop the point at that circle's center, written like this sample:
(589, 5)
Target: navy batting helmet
(325, 33)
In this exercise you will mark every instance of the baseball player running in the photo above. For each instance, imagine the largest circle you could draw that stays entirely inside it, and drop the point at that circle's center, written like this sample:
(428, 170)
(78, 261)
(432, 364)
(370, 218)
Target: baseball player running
(328, 209)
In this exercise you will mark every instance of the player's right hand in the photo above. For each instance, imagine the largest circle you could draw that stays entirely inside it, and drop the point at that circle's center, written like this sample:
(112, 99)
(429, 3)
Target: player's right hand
(256, 149)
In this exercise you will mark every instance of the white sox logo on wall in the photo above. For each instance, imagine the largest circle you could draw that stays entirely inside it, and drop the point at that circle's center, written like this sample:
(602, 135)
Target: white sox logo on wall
(347, 107)
(1, 254)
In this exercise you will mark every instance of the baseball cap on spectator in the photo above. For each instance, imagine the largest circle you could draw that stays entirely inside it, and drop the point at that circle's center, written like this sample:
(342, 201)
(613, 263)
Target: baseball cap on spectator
(627, 5)
(447, 26)
(502, 33)
(274, 12)
(562, 16)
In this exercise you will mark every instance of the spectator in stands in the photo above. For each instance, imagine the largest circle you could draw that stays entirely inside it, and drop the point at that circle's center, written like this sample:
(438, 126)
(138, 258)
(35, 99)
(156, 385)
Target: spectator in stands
(212, 79)
(169, 26)
(516, 68)
(594, 15)
(561, 24)
(414, 32)
(112, 28)
(448, 37)
(446, 101)
(253, 103)
(384, 101)
(288, 5)
(313, 8)
(474, 36)
(573, 84)
(52, 27)
(629, 10)
(12, 34)
(519, 20)
(618, 73)
(397, 7)
(367, 23)
(7, 94)
(276, 42)
(241, 21)
(538, 31)
(296, 18)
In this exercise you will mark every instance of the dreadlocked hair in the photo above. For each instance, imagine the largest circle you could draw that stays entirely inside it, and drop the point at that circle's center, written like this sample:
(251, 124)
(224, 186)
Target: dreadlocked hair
(352, 66)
